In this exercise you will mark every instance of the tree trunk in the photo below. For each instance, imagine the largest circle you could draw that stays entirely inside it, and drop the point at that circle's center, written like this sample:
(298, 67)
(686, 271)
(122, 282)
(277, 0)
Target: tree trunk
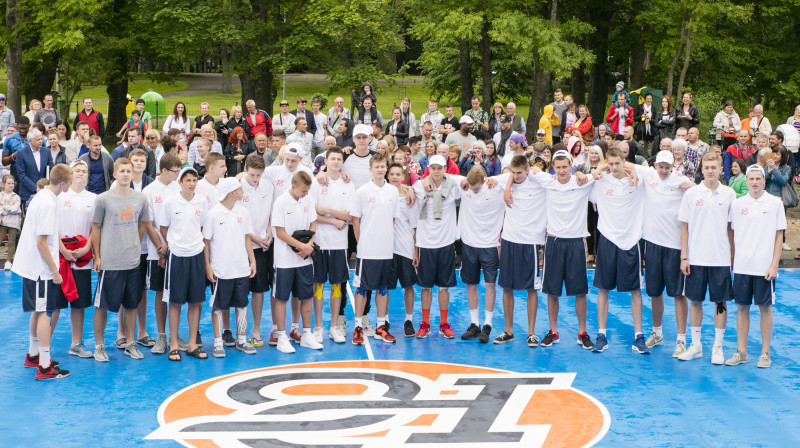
(688, 53)
(637, 70)
(578, 84)
(466, 75)
(600, 14)
(486, 67)
(674, 63)
(226, 71)
(117, 90)
(14, 60)
(539, 90)
(42, 76)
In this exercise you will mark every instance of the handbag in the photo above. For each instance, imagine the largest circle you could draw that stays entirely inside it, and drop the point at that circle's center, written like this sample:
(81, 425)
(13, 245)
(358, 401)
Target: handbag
(789, 195)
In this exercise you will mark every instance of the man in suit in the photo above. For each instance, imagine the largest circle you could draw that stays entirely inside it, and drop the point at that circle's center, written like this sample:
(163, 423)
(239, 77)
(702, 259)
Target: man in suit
(301, 111)
(32, 164)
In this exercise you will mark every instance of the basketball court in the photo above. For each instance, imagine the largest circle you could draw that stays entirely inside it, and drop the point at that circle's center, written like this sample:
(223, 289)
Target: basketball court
(422, 393)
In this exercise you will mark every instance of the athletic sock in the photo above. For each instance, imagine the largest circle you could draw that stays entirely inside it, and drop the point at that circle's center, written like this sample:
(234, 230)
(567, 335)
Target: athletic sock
(442, 317)
(658, 331)
(601, 331)
(357, 322)
(381, 321)
(44, 356)
(162, 334)
(274, 328)
(682, 337)
(295, 325)
(473, 315)
(489, 316)
(426, 315)
(307, 332)
(695, 335)
(218, 342)
(33, 350)
(241, 338)
(409, 317)
(719, 334)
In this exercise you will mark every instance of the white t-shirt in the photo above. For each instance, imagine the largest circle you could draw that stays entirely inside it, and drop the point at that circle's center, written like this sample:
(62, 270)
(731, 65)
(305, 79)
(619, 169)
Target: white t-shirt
(405, 224)
(292, 215)
(75, 216)
(258, 201)
(480, 218)
(357, 168)
(337, 195)
(506, 160)
(662, 202)
(322, 122)
(619, 209)
(185, 220)
(226, 230)
(526, 221)
(281, 178)
(754, 223)
(567, 205)
(708, 214)
(376, 207)
(41, 219)
(157, 194)
(434, 233)
(209, 192)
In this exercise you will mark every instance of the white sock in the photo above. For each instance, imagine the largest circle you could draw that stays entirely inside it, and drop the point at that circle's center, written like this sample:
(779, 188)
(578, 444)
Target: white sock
(488, 319)
(274, 328)
(295, 325)
(410, 317)
(381, 321)
(658, 331)
(601, 331)
(356, 323)
(473, 315)
(307, 331)
(241, 338)
(695, 335)
(682, 337)
(282, 335)
(218, 342)
(33, 350)
(719, 334)
(44, 356)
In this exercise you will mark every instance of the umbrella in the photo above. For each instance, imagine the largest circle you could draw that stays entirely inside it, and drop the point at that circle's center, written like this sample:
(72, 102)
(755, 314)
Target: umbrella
(791, 138)
(637, 96)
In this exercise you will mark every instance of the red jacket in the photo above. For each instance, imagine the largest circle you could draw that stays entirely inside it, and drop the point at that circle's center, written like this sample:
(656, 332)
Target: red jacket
(263, 123)
(615, 121)
(67, 281)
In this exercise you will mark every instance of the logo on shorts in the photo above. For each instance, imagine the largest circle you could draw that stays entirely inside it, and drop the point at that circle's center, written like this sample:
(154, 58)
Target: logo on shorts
(126, 214)
(383, 403)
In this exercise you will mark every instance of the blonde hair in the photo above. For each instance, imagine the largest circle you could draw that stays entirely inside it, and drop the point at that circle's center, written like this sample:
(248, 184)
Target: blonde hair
(235, 109)
(30, 106)
(282, 154)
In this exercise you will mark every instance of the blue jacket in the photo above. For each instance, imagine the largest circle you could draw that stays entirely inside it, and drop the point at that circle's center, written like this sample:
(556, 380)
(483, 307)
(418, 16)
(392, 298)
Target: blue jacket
(27, 171)
(776, 179)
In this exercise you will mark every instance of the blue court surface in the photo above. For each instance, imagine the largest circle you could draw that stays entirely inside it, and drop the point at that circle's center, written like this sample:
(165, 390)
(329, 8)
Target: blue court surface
(431, 392)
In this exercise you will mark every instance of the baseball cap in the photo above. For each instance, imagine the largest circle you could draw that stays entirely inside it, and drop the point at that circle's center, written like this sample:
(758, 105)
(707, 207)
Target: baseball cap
(293, 149)
(187, 169)
(755, 167)
(438, 160)
(77, 162)
(519, 139)
(362, 129)
(562, 153)
(284, 103)
(665, 157)
(541, 132)
(505, 118)
(227, 185)
(466, 119)
(2, 97)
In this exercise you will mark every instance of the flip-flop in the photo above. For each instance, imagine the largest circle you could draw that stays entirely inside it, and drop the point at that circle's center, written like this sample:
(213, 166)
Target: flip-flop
(256, 342)
(174, 353)
(146, 341)
(120, 343)
(196, 353)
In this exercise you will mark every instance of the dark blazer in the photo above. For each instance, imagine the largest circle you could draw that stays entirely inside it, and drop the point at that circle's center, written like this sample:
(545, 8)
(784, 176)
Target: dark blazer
(27, 171)
(312, 124)
(401, 133)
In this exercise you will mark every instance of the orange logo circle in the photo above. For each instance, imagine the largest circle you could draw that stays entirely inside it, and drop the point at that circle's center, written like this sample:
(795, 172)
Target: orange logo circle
(383, 403)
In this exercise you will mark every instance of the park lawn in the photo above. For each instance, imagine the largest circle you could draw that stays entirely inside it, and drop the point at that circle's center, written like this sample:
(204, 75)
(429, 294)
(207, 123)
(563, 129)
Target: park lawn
(136, 88)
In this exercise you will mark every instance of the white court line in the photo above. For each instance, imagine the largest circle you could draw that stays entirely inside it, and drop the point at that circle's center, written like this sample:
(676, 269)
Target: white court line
(366, 339)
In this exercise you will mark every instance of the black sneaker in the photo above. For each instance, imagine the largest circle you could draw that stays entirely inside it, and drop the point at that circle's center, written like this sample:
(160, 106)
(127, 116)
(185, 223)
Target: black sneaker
(408, 329)
(503, 338)
(472, 332)
(550, 339)
(227, 338)
(199, 341)
(483, 336)
(585, 341)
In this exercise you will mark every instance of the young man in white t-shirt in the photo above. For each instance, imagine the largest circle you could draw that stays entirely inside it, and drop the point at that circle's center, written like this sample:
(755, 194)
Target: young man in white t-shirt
(758, 221)
(294, 212)
(37, 263)
(162, 188)
(184, 277)
(321, 120)
(257, 198)
(75, 208)
(229, 262)
(706, 254)
(373, 210)
(333, 203)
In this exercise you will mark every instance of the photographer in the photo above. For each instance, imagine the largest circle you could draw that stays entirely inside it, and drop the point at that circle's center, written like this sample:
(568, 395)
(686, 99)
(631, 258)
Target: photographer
(473, 156)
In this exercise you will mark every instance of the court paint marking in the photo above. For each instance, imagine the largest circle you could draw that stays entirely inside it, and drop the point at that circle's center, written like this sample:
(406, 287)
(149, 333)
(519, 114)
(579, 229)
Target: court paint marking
(366, 339)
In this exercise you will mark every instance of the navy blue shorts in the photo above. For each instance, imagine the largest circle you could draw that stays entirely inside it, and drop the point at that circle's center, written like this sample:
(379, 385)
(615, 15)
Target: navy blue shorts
(437, 267)
(39, 295)
(185, 279)
(616, 268)
(331, 265)
(403, 270)
(265, 270)
(83, 283)
(662, 269)
(118, 288)
(473, 259)
(519, 266)
(717, 279)
(230, 293)
(143, 266)
(154, 277)
(564, 267)
(371, 275)
(298, 282)
(753, 290)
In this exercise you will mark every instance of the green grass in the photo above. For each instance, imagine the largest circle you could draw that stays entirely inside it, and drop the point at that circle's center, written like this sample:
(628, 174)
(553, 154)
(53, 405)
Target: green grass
(136, 88)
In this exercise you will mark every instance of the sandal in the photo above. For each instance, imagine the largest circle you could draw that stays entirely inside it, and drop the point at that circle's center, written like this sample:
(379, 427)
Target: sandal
(172, 355)
(256, 342)
(120, 343)
(146, 341)
(197, 353)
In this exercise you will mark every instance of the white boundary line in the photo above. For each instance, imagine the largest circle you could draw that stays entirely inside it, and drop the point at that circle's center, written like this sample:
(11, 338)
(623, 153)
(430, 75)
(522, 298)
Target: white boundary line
(366, 339)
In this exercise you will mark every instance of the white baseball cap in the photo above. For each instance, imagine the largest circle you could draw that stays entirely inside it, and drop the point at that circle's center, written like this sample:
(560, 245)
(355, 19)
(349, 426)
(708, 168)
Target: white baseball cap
(362, 129)
(227, 185)
(466, 119)
(438, 160)
(665, 157)
(755, 167)
(293, 149)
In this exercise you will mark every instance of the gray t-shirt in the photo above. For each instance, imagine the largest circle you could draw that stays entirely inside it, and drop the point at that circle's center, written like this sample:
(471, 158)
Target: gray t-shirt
(48, 118)
(465, 143)
(119, 218)
(558, 109)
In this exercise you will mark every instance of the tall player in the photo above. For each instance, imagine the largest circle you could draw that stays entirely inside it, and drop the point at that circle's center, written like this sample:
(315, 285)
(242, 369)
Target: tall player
(404, 261)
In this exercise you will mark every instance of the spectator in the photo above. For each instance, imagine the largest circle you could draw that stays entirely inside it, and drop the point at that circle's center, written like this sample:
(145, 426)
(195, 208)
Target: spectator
(463, 138)
(691, 154)
(620, 116)
(737, 180)
(739, 150)
(778, 174)
(202, 119)
(146, 117)
(377, 135)
(759, 124)
(6, 114)
(63, 132)
(221, 127)
(258, 120)
(301, 111)
(206, 132)
(10, 217)
(398, 128)
(79, 145)
(134, 122)
(134, 141)
(517, 121)
(435, 118)
(494, 119)
(548, 121)
(644, 118)
(366, 92)
(761, 148)
(443, 150)
(237, 119)
(794, 120)
(624, 148)
(336, 114)
(239, 146)
(92, 117)
(32, 164)
(430, 151)
(559, 108)
(367, 113)
(34, 107)
(728, 125)
(584, 124)
(320, 126)
(13, 143)
(179, 121)
(776, 142)
(481, 119)
(575, 150)
(427, 134)
(699, 146)
(261, 147)
(686, 115)
(415, 148)
(47, 115)
(698, 175)
(152, 140)
(57, 152)
(472, 157)
(345, 137)
(501, 138)
(408, 117)
(284, 120)
(681, 166)
(491, 163)
(304, 137)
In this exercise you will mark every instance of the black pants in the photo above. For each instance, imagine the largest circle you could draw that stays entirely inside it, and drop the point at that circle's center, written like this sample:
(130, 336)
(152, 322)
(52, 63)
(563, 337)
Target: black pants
(591, 225)
(351, 248)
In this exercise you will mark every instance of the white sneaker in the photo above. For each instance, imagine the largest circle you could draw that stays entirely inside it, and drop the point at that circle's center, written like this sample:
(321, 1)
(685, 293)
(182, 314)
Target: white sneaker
(764, 361)
(365, 325)
(284, 344)
(318, 331)
(337, 335)
(310, 341)
(786, 247)
(717, 357)
(693, 352)
(680, 347)
(7, 266)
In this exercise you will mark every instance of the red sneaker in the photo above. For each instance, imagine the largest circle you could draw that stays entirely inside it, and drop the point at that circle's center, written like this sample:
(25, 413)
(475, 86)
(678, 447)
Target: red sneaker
(295, 335)
(33, 361)
(424, 330)
(358, 336)
(273, 338)
(382, 334)
(51, 373)
(446, 331)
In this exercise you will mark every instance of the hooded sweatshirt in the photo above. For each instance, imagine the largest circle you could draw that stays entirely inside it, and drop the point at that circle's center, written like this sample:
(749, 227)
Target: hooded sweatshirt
(547, 122)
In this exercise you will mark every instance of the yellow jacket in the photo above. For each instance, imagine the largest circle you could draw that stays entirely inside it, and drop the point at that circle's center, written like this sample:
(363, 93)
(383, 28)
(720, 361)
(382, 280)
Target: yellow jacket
(547, 122)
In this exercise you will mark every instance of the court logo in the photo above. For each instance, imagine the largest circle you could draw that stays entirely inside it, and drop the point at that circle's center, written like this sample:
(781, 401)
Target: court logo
(383, 404)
